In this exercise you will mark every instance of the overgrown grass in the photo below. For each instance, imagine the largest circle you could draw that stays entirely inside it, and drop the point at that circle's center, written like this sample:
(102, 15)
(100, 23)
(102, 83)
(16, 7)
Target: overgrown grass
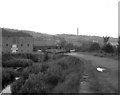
(11, 63)
(61, 75)
(17, 63)
(8, 76)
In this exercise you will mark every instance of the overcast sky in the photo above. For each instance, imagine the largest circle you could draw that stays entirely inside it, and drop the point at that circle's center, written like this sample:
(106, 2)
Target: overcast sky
(93, 17)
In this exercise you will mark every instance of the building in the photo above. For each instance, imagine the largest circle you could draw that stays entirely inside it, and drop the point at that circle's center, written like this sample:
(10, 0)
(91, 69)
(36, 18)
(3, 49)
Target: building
(16, 42)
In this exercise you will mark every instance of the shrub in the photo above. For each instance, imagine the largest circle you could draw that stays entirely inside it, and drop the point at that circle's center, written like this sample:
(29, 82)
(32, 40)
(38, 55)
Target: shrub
(94, 47)
(46, 57)
(35, 69)
(108, 48)
(6, 57)
(50, 76)
(8, 75)
(54, 75)
(56, 56)
(17, 63)
(34, 84)
(35, 57)
(85, 47)
(70, 85)
(16, 86)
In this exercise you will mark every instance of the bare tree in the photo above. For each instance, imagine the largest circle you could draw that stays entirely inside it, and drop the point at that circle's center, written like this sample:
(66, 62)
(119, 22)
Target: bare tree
(105, 40)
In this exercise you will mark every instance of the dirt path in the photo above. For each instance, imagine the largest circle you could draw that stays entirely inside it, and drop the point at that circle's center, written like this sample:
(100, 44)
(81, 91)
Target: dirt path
(99, 82)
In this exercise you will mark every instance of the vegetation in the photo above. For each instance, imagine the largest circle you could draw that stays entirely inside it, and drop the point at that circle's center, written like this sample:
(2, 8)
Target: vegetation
(50, 77)
(17, 63)
(105, 40)
(63, 44)
(11, 63)
(108, 48)
(89, 47)
(8, 75)
(95, 46)
(41, 73)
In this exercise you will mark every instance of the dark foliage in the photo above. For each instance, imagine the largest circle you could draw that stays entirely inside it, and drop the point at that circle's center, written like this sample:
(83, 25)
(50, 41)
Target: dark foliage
(94, 46)
(8, 75)
(35, 69)
(108, 48)
(17, 63)
(48, 77)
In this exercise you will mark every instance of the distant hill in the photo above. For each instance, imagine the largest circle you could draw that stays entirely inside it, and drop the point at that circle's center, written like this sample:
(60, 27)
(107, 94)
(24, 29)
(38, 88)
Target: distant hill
(84, 38)
(41, 39)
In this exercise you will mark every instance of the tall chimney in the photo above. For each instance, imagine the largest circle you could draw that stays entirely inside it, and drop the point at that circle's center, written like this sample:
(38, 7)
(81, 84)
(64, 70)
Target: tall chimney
(77, 31)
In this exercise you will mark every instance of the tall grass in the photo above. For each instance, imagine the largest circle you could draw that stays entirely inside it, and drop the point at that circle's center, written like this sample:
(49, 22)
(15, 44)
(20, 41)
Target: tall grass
(61, 75)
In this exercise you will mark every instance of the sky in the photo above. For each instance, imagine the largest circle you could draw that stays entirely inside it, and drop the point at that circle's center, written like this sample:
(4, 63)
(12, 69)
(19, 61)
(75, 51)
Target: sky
(92, 17)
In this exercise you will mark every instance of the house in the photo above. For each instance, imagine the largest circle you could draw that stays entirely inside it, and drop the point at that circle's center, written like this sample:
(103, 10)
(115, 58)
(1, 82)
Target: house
(16, 42)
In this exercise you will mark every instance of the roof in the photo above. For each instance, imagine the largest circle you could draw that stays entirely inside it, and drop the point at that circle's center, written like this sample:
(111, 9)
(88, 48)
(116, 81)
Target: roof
(13, 33)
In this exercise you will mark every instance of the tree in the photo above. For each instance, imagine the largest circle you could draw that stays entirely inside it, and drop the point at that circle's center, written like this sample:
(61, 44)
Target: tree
(62, 43)
(95, 46)
(105, 40)
(108, 48)
(69, 46)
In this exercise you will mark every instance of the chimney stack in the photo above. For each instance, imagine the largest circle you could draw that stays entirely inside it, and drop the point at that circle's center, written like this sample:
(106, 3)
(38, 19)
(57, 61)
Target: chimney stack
(77, 31)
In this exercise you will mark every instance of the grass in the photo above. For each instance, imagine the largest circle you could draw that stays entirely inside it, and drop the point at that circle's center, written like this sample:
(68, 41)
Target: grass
(103, 54)
(51, 77)
(47, 73)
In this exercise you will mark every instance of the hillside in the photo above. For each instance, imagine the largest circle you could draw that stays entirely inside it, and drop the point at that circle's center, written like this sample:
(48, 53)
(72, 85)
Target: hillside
(84, 38)
(41, 39)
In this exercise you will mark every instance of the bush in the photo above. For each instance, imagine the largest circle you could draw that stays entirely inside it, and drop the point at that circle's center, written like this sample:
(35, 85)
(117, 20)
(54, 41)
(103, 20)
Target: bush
(47, 77)
(17, 63)
(56, 56)
(94, 47)
(108, 48)
(70, 85)
(35, 69)
(8, 75)
(16, 86)
(85, 47)
(34, 84)
(6, 57)
(46, 57)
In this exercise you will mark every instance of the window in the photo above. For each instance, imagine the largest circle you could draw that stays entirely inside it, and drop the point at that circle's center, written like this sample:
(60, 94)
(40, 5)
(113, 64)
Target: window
(28, 45)
(6, 44)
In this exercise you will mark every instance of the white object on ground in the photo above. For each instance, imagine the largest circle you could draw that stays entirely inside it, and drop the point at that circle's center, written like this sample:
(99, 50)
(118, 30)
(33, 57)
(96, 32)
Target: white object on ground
(17, 78)
(100, 69)
(72, 50)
